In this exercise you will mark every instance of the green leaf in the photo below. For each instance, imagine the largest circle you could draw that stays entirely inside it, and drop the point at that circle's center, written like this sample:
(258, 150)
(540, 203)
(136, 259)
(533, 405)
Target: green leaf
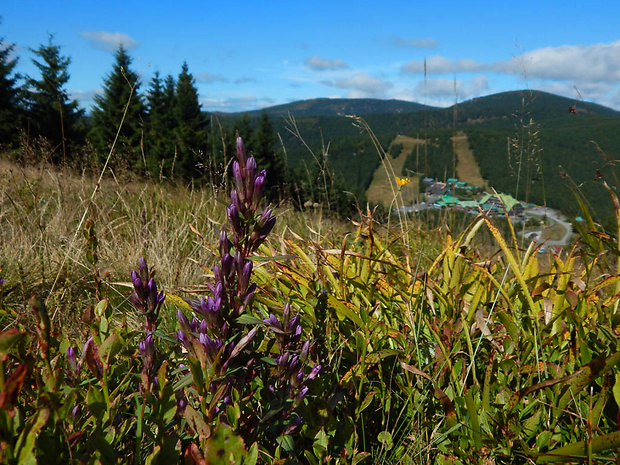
(246, 319)
(359, 457)
(26, 442)
(183, 382)
(110, 346)
(95, 402)
(101, 307)
(196, 422)
(167, 403)
(8, 339)
(366, 402)
(385, 438)
(224, 447)
(177, 301)
(153, 456)
(616, 389)
(579, 450)
(252, 455)
(286, 442)
(345, 310)
(319, 446)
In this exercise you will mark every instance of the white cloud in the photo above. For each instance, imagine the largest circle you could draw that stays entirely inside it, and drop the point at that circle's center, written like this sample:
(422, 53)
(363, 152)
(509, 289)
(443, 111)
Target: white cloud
(442, 65)
(245, 80)
(236, 104)
(324, 64)
(84, 95)
(444, 91)
(109, 40)
(362, 86)
(209, 78)
(413, 43)
(598, 62)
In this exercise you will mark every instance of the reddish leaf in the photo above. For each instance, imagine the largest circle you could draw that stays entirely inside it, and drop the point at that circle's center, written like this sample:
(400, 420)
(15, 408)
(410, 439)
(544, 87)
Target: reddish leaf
(8, 397)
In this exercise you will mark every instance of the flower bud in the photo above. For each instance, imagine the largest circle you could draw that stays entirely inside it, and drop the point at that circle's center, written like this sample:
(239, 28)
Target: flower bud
(305, 350)
(241, 156)
(183, 321)
(314, 373)
(147, 350)
(72, 360)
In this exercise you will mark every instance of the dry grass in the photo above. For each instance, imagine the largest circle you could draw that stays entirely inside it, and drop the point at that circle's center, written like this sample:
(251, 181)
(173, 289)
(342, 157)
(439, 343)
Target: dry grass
(44, 249)
(175, 227)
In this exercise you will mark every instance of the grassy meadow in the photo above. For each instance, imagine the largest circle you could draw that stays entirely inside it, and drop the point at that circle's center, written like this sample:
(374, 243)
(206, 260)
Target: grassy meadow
(160, 323)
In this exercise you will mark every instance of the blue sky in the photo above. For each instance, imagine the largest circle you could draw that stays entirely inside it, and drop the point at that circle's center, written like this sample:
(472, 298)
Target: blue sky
(247, 55)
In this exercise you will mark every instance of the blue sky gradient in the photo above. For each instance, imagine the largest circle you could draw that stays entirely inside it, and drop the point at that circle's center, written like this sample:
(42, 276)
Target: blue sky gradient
(247, 55)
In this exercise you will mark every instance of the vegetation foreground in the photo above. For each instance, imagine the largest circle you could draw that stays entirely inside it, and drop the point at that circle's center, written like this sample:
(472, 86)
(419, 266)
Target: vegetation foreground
(264, 341)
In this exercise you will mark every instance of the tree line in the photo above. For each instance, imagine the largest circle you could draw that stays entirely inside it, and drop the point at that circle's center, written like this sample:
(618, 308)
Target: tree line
(161, 133)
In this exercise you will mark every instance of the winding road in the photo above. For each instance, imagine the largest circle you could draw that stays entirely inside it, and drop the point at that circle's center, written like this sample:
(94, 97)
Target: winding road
(554, 216)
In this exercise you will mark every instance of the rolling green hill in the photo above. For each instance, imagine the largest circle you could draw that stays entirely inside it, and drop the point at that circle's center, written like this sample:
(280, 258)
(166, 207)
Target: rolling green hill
(338, 107)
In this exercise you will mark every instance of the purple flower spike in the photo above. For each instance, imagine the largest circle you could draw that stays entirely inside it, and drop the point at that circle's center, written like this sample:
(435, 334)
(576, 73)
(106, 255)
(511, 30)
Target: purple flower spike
(314, 373)
(194, 324)
(135, 279)
(72, 360)
(244, 278)
(147, 350)
(183, 321)
(259, 186)
(293, 323)
(241, 152)
(142, 265)
(182, 337)
(293, 425)
(297, 379)
(250, 168)
(305, 350)
(238, 177)
(224, 244)
(300, 395)
(286, 313)
(233, 217)
(273, 321)
(145, 297)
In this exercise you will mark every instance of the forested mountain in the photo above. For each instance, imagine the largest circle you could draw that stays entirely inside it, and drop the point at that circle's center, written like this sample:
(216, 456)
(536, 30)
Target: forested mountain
(338, 107)
(530, 144)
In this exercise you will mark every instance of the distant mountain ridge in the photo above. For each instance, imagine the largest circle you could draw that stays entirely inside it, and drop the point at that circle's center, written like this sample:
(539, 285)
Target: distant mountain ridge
(488, 107)
(338, 107)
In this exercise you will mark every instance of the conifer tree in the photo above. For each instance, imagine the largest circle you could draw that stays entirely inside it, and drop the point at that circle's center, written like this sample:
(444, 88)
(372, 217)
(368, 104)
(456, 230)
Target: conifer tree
(161, 126)
(191, 125)
(121, 90)
(263, 147)
(241, 127)
(50, 111)
(10, 108)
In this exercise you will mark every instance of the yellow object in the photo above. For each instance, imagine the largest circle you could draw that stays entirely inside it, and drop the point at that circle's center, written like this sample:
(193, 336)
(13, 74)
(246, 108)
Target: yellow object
(402, 181)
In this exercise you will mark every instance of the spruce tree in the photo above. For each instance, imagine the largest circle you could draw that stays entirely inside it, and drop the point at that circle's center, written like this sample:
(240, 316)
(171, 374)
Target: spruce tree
(50, 112)
(243, 126)
(120, 91)
(191, 125)
(263, 147)
(161, 126)
(10, 108)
